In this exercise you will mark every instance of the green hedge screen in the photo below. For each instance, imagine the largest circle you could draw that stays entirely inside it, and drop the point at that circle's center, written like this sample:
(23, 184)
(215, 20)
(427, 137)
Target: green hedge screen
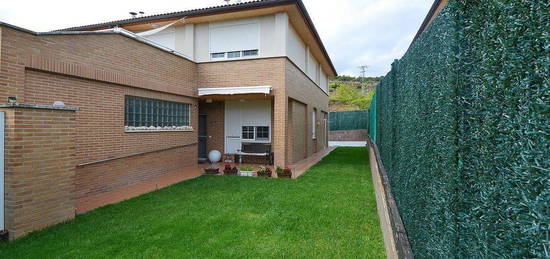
(463, 129)
(349, 120)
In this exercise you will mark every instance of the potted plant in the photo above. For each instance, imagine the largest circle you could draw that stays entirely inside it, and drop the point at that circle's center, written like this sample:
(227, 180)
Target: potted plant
(212, 170)
(246, 170)
(284, 173)
(230, 170)
(264, 172)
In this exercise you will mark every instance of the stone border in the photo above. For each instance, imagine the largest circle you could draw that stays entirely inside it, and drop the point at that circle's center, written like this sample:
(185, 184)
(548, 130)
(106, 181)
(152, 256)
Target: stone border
(396, 240)
(130, 129)
(135, 154)
(36, 106)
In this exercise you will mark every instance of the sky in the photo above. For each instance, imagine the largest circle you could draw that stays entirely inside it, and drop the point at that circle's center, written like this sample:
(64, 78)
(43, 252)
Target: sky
(354, 32)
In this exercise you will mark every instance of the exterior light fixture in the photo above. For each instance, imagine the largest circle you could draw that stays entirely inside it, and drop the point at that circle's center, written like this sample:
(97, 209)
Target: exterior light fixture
(58, 104)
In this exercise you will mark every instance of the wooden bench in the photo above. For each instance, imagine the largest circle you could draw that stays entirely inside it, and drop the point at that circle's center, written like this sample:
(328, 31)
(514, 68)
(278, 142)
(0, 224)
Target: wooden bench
(255, 149)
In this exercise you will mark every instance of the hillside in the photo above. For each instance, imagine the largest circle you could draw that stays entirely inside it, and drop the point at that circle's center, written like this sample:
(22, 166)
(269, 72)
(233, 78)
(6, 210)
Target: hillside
(345, 93)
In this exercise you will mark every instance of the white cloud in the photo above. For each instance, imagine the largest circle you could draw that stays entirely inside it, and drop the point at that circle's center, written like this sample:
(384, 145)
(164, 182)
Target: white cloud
(367, 32)
(355, 32)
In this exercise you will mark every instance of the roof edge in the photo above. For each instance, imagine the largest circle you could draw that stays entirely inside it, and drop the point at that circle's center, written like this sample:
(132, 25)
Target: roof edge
(116, 31)
(189, 13)
(218, 9)
(212, 10)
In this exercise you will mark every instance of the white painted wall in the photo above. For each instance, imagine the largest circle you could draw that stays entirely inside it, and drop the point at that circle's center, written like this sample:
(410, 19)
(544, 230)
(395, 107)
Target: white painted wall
(247, 113)
(299, 53)
(268, 38)
(166, 38)
(202, 47)
(281, 34)
(185, 42)
(324, 81)
(312, 67)
(272, 34)
(296, 49)
(2, 126)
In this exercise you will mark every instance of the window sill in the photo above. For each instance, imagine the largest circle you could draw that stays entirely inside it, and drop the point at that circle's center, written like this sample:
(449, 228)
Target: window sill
(252, 141)
(157, 129)
(233, 59)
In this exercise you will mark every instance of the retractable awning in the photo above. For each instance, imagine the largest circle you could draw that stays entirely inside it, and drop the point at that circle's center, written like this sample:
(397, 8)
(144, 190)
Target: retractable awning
(235, 90)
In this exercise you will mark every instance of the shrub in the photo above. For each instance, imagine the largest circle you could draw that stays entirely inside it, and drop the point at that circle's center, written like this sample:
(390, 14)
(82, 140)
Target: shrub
(247, 168)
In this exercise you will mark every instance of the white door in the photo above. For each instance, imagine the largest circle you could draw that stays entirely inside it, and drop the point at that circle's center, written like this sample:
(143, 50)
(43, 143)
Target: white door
(1, 170)
(233, 127)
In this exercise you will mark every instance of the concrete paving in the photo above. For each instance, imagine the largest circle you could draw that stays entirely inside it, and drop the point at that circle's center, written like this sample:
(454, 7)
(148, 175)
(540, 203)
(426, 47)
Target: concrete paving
(347, 143)
(90, 203)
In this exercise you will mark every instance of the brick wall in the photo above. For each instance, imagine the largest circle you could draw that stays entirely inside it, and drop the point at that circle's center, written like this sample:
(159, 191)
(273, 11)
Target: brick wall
(94, 73)
(40, 160)
(100, 119)
(268, 71)
(215, 124)
(348, 135)
(111, 175)
(300, 88)
(289, 82)
(108, 58)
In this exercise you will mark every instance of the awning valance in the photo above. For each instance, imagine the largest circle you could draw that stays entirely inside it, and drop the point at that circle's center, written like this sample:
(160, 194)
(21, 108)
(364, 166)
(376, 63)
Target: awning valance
(235, 90)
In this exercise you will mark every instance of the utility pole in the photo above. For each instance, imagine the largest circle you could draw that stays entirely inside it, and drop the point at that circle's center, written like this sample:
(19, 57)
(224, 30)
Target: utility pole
(363, 69)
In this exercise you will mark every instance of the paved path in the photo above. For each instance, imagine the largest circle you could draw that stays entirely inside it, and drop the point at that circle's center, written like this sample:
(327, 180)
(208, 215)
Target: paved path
(347, 143)
(90, 203)
(302, 166)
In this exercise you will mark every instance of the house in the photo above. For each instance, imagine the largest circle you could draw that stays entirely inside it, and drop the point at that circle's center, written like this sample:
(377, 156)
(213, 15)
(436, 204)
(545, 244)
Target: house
(97, 108)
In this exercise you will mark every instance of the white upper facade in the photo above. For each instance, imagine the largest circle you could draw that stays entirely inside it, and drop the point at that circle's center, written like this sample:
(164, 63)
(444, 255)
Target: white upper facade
(240, 39)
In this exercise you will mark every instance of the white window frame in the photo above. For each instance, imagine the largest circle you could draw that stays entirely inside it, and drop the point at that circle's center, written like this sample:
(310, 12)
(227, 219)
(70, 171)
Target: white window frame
(255, 55)
(255, 133)
(241, 55)
(262, 139)
(218, 58)
(237, 53)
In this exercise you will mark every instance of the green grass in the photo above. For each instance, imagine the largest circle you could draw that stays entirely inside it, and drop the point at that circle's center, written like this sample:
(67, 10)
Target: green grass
(328, 212)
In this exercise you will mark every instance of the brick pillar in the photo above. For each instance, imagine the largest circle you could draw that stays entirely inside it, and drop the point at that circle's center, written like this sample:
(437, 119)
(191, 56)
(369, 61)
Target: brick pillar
(39, 167)
(280, 128)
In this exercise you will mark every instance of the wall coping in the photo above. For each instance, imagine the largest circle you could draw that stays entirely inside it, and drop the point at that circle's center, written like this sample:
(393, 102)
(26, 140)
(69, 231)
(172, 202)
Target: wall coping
(37, 106)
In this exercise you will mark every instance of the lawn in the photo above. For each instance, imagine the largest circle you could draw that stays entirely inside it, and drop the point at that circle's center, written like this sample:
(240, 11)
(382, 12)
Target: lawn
(328, 212)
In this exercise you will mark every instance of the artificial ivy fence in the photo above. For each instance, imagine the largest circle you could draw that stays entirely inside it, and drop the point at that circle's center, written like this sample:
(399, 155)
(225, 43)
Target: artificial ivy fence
(349, 120)
(463, 129)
